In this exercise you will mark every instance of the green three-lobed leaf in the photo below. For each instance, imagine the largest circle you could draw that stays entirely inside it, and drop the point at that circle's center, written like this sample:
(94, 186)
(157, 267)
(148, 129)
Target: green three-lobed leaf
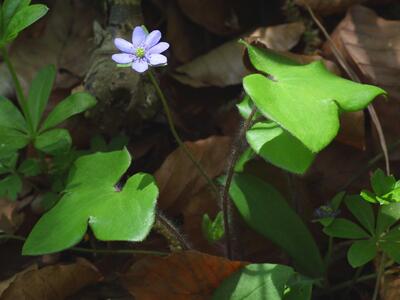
(304, 99)
(92, 198)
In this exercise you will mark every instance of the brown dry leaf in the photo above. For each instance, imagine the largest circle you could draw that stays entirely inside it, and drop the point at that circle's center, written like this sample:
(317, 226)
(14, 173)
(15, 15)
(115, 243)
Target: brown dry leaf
(178, 179)
(51, 282)
(203, 202)
(223, 65)
(64, 41)
(221, 17)
(352, 129)
(6, 283)
(327, 7)
(372, 46)
(10, 217)
(185, 275)
(183, 34)
(390, 289)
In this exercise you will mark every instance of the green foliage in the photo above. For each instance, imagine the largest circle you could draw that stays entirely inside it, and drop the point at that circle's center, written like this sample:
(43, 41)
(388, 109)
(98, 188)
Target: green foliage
(15, 16)
(39, 94)
(385, 189)
(267, 212)
(99, 144)
(11, 183)
(305, 100)
(326, 213)
(13, 128)
(92, 197)
(16, 131)
(245, 157)
(279, 147)
(30, 167)
(213, 230)
(10, 186)
(372, 235)
(264, 281)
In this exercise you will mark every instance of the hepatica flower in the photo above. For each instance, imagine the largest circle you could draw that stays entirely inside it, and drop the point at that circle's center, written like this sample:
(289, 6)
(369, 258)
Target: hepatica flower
(144, 51)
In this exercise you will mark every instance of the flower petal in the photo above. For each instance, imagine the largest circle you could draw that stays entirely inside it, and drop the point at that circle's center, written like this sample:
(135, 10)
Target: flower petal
(153, 38)
(157, 49)
(124, 45)
(157, 59)
(122, 58)
(140, 65)
(138, 36)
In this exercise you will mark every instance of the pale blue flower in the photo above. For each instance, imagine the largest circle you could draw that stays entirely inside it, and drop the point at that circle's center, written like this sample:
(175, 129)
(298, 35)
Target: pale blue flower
(144, 51)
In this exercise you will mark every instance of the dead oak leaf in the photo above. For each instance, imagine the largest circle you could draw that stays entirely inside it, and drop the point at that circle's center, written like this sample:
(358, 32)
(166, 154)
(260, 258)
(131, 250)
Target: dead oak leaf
(51, 282)
(188, 275)
(372, 46)
(223, 65)
(178, 179)
(65, 40)
(328, 7)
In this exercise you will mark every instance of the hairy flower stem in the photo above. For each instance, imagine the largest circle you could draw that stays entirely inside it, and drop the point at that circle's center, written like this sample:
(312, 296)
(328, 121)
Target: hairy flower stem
(225, 200)
(176, 136)
(17, 85)
(95, 251)
(175, 239)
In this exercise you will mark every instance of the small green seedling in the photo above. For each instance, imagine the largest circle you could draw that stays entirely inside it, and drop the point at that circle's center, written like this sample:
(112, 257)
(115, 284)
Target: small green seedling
(371, 235)
(213, 230)
(385, 189)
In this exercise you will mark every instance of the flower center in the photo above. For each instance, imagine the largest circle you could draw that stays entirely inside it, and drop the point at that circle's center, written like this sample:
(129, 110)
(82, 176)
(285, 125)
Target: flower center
(140, 52)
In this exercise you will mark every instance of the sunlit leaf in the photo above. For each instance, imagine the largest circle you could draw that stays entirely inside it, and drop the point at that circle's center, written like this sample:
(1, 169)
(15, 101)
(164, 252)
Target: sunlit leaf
(304, 99)
(92, 198)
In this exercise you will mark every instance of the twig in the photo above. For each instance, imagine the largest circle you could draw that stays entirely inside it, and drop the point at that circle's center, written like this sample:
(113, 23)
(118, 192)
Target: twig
(176, 136)
(99, 251)
(225, 201)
